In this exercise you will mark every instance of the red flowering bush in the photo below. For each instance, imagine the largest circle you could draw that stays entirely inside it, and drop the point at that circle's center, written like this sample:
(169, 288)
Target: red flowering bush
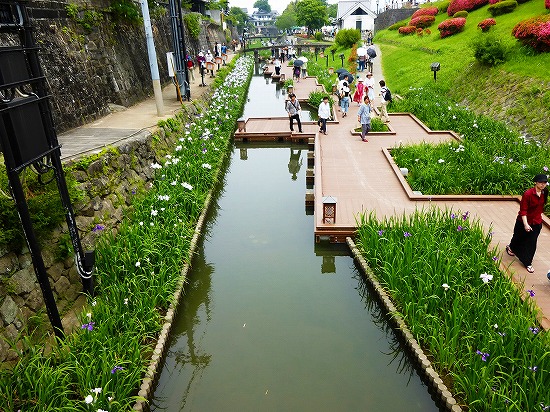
(427, 31)
(419, 31)
(547, 4)
(422, 21)
(451, 26)
(493, 1)
(486, 24)
(468, 5)
(534, 32)
(407, 30)
(426, 11)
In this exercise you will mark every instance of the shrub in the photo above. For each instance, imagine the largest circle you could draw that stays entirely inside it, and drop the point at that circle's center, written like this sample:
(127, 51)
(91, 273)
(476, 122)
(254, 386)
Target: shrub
(407, 30)
(427, 32)
(419, 31)
(451, 26)
(486, 24)
(461, 13)
(490, 50)
(468, 5)
(318, 36)
(534, 32)
(125, 11)
(547, 4)
(502, 7)
(426, 11)
(193, 24)
(422, 21)
(443, 6)
(347, 37)
(399, 24)
(493, 1)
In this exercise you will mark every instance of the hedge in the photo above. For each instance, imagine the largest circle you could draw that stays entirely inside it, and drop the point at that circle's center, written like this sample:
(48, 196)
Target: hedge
(426, 11)
(461, 13)
(486, 24)
(451, 26)
(502, 7)
(468, 5)
(422, 21)
(534, 32)
(407, 30)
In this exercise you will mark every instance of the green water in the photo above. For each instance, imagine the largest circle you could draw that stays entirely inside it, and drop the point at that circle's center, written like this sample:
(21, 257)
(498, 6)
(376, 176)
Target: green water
(272, 322)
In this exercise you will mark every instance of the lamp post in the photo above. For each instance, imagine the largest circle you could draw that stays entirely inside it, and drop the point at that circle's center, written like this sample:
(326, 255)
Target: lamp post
(342, 58)
(332, 51)
(377, 8)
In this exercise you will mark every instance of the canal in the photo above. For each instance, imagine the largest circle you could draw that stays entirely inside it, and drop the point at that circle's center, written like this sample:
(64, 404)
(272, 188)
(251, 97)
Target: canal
(270, 321)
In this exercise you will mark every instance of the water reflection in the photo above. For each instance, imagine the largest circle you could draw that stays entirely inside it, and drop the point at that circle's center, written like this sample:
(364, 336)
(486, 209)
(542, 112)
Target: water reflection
(295, 163)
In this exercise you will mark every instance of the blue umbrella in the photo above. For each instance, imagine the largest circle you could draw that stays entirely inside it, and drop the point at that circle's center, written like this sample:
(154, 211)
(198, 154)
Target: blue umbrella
(298, 63)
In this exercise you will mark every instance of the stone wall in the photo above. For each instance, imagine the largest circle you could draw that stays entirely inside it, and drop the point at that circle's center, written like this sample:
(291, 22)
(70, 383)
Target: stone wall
(109, 181)
(391, 16)
(87, 70)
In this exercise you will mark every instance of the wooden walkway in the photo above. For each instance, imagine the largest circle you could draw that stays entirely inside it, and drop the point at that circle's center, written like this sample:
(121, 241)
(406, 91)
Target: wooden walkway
(364, 178)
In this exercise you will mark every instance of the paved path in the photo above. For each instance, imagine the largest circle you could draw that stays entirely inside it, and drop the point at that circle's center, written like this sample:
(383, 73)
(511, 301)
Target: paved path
(138, 120)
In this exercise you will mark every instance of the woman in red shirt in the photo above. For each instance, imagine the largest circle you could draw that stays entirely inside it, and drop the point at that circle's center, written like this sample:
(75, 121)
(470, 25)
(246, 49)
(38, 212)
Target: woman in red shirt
(529, 223)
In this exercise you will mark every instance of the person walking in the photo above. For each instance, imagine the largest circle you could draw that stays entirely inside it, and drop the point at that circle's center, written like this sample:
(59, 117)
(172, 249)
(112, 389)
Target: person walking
(293, 109)
(369, 87)
(324, 114)
(190, 67)
(209, 58)
(345, 99)
(385, 98)
(277, 64)
(363, 117)
(529, 222)
(359, 92)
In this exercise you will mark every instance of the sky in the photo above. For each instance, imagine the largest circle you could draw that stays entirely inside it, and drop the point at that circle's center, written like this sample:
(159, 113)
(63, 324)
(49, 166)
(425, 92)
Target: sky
(279, 5)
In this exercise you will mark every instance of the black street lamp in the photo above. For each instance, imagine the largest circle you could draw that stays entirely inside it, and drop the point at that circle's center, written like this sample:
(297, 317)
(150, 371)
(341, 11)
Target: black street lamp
(342, 58)
(332, 51)
(28, 139)
(377, 8)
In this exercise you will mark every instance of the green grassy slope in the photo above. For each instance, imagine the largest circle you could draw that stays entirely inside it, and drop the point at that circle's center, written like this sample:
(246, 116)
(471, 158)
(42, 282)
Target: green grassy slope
(517, 91)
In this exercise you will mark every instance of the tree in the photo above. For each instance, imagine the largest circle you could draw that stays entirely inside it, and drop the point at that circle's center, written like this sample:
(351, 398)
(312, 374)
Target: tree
(262, 5)
(312, 14)
(287, 20)
(332, 10)
(238, 18)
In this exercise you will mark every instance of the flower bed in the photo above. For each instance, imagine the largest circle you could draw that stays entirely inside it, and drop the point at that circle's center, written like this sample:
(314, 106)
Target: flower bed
(468, 5)
(422, 21)
(534, 32)
(407, 30)
(137, 271)
(444, 280)
(451, 26)
(490, 159)
(425, 11)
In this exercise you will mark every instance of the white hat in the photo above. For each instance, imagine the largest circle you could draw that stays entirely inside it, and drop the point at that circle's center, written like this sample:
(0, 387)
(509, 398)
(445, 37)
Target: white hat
(201, 54)
(359, 79)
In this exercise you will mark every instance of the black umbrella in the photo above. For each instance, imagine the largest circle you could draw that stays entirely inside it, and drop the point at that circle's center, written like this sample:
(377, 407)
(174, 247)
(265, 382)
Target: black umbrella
(298, 63)
(371, 52)
(346, 76)
(341, 70)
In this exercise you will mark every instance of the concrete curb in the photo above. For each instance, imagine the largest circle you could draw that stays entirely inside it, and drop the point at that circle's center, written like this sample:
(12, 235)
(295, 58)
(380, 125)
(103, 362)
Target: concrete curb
(430, 376)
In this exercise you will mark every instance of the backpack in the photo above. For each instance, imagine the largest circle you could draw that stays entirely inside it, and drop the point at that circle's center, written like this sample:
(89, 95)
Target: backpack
(387, 95)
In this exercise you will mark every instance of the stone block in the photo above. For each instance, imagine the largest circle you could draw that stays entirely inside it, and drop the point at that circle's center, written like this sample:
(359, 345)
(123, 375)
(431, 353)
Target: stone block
(35, 300)
(8, 263)
(8, 310)
(24, 280)
(62, 285)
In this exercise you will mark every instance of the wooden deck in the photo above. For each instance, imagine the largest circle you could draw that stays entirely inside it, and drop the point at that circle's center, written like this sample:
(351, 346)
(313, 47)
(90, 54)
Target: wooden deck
(364, 178)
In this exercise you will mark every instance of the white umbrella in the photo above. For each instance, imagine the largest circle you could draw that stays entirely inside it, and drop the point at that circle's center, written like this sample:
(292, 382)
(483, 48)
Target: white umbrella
(361, 51)
(302, 58)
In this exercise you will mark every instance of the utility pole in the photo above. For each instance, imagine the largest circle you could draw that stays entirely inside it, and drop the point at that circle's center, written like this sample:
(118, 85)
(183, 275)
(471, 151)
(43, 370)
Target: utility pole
(157, 88)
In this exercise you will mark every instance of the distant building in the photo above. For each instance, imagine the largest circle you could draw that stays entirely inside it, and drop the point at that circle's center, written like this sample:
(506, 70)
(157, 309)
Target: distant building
(264, 22)
(356, 14)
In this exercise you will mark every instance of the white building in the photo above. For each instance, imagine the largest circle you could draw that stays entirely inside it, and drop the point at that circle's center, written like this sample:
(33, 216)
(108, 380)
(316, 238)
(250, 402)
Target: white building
(356, 14)
(264, 21)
